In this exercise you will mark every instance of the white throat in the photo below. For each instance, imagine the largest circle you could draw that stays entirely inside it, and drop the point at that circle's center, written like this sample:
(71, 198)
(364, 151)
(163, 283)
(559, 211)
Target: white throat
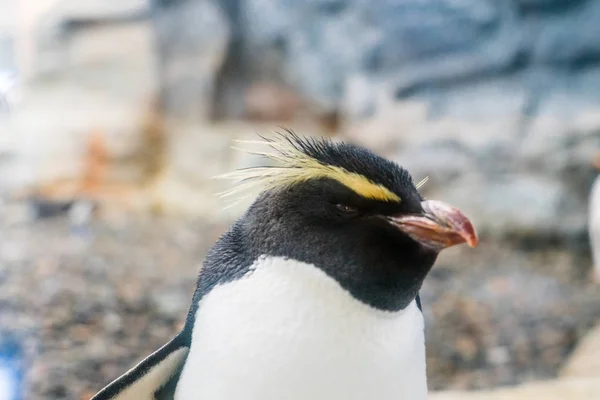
(289, 331)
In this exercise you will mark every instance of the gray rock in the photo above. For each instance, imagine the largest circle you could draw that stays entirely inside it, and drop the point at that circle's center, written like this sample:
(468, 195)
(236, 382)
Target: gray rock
(585, 86)
(546, 4)
(7, 51)
(500, 53)
(501, 316)
(563, 152)
(570, 38)
(68, 18)
(533, 184)
(414, 29)
(8, 22)
(323, 43)
(520, 205)
(443, 161)
(483, 100)
(583, 362)
(317, 43)
(73, 10)
(8, 82)
(432, 50)
(192, 40)
(170, 303)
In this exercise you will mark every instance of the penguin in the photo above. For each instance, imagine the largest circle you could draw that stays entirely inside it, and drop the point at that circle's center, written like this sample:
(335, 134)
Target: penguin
(313, 293)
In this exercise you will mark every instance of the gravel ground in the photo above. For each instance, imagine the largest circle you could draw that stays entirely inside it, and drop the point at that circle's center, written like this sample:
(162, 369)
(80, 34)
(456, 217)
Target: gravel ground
(79, 307)
(84, 306)
(500, 316)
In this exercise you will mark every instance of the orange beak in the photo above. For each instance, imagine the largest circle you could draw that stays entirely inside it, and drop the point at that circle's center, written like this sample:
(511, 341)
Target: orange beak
(439, 226)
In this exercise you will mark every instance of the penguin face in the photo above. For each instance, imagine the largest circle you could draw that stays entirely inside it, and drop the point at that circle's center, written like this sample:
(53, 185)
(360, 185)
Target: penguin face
(360, 219)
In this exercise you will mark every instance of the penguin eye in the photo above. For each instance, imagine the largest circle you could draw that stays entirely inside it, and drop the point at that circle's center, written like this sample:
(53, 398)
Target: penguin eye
(346, 209)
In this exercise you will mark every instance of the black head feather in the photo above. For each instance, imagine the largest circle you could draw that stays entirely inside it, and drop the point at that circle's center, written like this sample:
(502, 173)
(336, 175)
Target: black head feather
(353, 159)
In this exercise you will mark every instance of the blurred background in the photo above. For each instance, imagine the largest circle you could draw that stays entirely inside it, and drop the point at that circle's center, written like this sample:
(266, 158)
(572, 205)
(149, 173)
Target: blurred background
(116, 114)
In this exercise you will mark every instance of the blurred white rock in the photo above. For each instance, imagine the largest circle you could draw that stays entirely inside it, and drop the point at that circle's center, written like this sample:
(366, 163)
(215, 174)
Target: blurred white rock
(8, 82)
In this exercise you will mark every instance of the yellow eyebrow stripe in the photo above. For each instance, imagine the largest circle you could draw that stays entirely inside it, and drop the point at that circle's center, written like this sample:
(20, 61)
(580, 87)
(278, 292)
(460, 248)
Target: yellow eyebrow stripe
(296, 167)
(361, 185)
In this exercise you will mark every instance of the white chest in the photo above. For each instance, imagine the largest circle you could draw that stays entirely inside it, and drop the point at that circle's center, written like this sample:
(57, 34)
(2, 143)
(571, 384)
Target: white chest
(288, 331)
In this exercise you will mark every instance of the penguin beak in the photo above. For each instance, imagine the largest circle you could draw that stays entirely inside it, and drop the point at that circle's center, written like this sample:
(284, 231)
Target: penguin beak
(439, 226)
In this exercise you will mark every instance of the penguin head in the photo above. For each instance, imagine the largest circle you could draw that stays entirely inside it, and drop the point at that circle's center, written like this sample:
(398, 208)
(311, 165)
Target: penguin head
(353, 214)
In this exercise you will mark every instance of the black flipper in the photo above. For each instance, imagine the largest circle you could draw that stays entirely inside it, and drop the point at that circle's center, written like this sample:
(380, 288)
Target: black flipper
(418, 299)
(151, 379)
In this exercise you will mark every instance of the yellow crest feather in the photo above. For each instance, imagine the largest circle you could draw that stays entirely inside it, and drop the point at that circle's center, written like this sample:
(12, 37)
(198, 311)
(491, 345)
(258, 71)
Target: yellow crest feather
(295, 166)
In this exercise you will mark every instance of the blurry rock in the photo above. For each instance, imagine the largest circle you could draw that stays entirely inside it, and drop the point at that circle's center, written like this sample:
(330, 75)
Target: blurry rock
(192, 39)
(81, 213)
(470, 57)
(16, 212)
(519, 204)
(414, 29)
(152, 149)
(8, 28)
(443, 160)
(66, 19)
(112, 323)
(73, 10)
(186, 185)
(570, 39)
(541, 4)
(391, 39)
(452, 90)
(47, 208)
(8, 81)
(386, 130)
(360, 98)
(512, 182)
(12, 251)
(467, 348)
(109, 86)
(482, 101)
(498, 355)
(497, 319)
(585, 361)
(170, 303)
(269, 101)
